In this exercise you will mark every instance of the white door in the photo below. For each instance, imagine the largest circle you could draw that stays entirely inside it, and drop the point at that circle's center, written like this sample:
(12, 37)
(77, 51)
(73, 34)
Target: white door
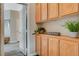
(18, 29)
(22, 31)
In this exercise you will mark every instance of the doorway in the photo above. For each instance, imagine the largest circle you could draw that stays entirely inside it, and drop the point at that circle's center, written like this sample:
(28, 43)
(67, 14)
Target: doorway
(15, 30)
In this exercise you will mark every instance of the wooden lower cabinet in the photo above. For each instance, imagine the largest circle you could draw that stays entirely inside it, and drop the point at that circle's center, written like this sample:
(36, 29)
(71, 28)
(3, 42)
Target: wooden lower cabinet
(44, 45)
(38, 44)
(53, 46)
(47, 45)
(68, 48)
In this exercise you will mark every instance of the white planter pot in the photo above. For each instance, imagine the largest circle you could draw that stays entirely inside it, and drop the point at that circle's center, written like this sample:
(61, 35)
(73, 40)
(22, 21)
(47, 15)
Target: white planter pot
(73, 34)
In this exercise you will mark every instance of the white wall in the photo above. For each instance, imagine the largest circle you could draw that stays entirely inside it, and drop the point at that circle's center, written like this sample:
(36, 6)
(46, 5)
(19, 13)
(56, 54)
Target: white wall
(8, 11)
(15, 16)
(6, 14)
(6, 28)
(31, 28)
(57, 26)
(12, 6)
(6, 20)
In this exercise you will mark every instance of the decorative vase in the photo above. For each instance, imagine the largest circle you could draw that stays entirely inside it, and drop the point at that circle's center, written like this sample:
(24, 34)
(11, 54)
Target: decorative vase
(73, 34)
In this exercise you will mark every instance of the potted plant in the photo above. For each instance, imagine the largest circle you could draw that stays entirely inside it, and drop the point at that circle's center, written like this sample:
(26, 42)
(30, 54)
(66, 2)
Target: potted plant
(73, 27)
(39, 30)
(36, 31)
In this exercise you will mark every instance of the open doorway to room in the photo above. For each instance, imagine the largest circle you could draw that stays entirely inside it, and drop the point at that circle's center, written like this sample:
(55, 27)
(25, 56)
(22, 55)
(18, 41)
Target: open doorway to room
(15, 31)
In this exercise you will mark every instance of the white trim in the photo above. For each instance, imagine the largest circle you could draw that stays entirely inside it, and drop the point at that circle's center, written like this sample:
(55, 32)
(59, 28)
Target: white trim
(22, 50)
(32, 54)
(24, 28)
(28, 31)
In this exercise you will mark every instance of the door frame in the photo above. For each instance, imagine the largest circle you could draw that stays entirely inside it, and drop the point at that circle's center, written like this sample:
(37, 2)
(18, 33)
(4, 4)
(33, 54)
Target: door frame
(2, 29)
(24, 51)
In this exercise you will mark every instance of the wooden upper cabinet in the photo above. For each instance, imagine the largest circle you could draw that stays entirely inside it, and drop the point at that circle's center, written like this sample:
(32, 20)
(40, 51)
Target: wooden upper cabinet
(44, 45)
(67, 8)
(37, 12)
(53, 46)
(68, 48)
(43, 12)
(48, 11)
(52, 10)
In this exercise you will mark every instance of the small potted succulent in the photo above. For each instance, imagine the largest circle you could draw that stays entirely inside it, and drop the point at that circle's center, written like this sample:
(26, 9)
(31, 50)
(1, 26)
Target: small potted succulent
(73, 27)
(39, 30)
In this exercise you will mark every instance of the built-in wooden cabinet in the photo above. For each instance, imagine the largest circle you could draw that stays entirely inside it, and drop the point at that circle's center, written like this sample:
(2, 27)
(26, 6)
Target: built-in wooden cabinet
(43, 12)
(44, 45)
(69, 48)
(38, 12)
(68, 8)
(53, 48)
(38, 44)
(49, 11)
(47, 45)
(0, 11)
(52, 10)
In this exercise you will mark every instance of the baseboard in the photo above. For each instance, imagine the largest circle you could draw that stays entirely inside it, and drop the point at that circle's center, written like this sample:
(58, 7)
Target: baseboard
(33, 54)
(22, 51)
(13, 42)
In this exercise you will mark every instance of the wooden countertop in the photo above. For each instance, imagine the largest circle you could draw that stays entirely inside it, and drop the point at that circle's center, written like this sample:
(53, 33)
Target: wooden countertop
(63, 37)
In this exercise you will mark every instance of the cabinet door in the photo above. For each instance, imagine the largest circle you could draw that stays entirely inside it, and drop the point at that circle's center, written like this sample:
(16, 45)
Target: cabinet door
(67, 8)
(53, 46)
(0, 11)
(44, 46)
(52, 10)
(43, 12)
(68, 48)
(37, 13)
(38, 44)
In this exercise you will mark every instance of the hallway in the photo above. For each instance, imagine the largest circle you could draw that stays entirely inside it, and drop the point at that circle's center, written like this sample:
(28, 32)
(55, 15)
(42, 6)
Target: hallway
(12, 49)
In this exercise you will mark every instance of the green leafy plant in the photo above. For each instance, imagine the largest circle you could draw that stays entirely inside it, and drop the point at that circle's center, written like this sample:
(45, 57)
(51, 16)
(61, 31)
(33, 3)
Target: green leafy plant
(37, 30)
(72, 26)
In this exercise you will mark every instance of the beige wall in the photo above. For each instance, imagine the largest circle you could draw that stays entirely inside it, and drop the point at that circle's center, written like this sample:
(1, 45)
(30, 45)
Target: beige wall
(57, 26)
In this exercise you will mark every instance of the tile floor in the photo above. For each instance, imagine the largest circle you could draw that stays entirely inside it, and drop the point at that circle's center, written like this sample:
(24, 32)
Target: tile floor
(12, 49)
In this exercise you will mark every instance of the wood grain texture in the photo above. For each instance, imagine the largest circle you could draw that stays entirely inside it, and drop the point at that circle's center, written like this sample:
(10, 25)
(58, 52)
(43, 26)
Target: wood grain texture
(68, 48)
(67, 8)
(57, 45)
(38, 44)
(37, 13)
(43, 12)
(53, 46)
(52, 10)
(44, 45)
